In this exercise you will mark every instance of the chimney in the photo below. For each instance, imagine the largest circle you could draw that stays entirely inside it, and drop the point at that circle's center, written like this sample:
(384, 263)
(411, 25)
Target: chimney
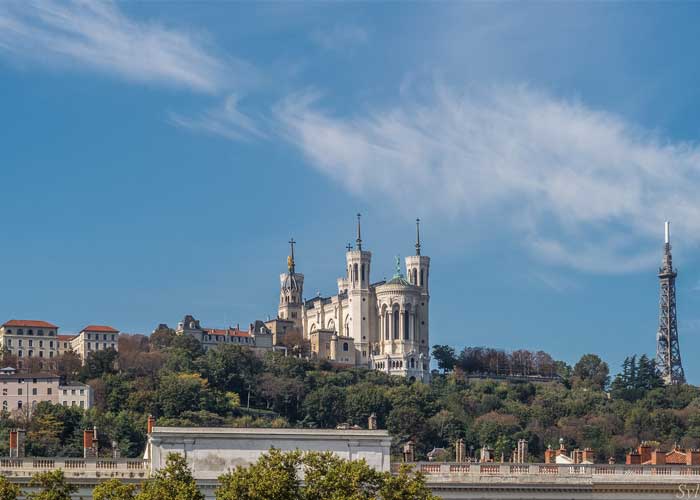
(549, 455)
(645, 452)
(90, 443)
(658, 457)
(460, 451)
(17, 443)
(588, 456)
(633, 458)
(151, 423)
(409, 452)
(577, 456)
(692, 456)
(372, 422)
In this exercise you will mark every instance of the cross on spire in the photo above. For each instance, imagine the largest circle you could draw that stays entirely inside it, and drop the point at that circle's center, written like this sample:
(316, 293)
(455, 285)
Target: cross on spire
(290, 263)
(417, 236)
(359, 233)
(349, 246)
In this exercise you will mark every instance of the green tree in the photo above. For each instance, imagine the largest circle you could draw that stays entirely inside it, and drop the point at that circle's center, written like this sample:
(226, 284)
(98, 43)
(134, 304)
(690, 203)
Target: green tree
(329, 477)
(272, 477)
(591, 371)
(99, 363)
(8, 490)
(178, 393)
(445, 356)
(114, 489)
(405, 485)
(53, 486)
(173, 482)
(325, 406)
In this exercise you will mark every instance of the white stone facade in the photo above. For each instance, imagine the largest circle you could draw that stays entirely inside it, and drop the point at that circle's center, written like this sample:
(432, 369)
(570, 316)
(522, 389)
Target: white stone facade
(95, 338)
(388, 322)
(211, 452)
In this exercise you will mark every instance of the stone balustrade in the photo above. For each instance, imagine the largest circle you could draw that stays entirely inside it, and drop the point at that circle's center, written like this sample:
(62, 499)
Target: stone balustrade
(76, 467)
(468, 472)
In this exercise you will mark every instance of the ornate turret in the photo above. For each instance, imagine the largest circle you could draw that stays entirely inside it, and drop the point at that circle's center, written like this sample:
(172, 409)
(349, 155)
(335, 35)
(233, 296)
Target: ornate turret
(291, 290)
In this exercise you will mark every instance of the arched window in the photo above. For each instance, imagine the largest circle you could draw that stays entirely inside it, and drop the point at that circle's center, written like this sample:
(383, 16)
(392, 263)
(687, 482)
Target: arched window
(415, 276)
(422, 276)
(396, 324)
(363, 273)
(405, 325)
(413, 363)
(354, 272)
(346, 347)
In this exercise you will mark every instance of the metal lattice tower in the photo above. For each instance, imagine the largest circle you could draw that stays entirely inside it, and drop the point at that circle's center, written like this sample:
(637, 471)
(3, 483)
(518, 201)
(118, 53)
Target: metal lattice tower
(668, 352)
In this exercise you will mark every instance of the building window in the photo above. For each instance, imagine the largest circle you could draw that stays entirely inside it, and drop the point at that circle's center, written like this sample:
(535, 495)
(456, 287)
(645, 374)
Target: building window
(31, 342)
(346, 347)
(65, 403)
(89, 346)
(30, 353)
(82, 392)
(40, 332)
(30, 332)
(4, 391)
(20, 332)
(20, 342)
(19, 404)
(9, 331)
(34, 391)
(49, 391)
(82, 404)
(19, 391)
(4, 406)
(51, 344)
(19, 354)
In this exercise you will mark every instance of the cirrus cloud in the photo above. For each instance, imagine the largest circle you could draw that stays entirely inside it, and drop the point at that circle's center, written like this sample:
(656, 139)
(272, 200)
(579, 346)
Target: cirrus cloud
(585, 188)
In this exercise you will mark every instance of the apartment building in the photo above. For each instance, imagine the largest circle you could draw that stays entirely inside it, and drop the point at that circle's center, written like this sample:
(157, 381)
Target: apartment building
(22, 392)
(94, 338)
(29, 338)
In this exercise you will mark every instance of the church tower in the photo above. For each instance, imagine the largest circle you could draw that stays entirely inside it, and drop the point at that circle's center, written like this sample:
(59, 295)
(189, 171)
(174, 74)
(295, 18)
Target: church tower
(418, 273)
(358, 265)
(291, 291)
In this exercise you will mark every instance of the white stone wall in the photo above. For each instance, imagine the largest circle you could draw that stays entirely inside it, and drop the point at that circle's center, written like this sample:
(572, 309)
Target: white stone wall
(211, 452)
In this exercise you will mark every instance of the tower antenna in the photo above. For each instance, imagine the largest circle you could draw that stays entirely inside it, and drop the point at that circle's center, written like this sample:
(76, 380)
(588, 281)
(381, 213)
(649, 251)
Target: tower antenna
(359, 233)
(417, 236)
(668, 351)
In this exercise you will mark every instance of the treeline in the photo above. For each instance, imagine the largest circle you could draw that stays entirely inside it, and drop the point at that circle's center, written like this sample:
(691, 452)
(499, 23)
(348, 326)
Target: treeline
(172, 378)
(489, 361)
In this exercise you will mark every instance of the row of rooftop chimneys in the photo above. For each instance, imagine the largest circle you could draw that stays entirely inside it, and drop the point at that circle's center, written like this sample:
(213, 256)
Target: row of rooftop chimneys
(90, 441)
(519, 455)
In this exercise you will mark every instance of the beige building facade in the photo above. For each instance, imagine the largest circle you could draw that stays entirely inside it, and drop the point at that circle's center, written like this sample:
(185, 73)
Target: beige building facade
(95, 338)
(29, 339)
(21, 392)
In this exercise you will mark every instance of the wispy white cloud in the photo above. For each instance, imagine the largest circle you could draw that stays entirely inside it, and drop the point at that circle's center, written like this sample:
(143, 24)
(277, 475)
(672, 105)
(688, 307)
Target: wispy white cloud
(340, 37)
(97, 35)
(585, 188)
(227, 120)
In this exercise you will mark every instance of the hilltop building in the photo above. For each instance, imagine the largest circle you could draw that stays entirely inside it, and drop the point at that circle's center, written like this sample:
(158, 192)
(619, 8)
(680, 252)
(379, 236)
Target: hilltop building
(29, 339)
(95, 338)
(380, 325)
(258, 337)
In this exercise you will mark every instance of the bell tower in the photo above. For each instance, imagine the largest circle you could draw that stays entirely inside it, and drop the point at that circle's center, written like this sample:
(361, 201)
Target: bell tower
(291, 291)
(358, 266)
(418, 274)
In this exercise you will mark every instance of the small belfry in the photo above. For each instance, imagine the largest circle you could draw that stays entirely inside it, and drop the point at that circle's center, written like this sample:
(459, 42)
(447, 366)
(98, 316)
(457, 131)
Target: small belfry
(668, 351)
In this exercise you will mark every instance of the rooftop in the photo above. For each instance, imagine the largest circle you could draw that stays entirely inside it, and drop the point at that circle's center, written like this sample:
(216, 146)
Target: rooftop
(99, 328)
(30, 323)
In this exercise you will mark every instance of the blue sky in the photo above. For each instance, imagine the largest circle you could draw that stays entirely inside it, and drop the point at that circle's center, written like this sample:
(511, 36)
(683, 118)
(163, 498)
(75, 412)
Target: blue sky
(156, 158)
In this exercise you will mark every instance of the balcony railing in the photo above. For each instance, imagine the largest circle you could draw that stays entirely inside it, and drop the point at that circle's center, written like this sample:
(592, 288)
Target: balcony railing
(467, 472)
(76, 467)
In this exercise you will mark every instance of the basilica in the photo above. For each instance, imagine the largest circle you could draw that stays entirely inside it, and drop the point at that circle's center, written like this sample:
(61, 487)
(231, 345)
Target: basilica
(382, 325)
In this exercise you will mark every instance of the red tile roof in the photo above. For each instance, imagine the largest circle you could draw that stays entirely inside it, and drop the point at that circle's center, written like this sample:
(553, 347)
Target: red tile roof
(229, 331)
(29, 322)
(99, 328)
(64, 338)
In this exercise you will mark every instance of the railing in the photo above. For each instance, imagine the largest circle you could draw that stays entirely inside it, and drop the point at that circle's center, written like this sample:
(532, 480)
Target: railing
(466, 472)
(76, 467)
